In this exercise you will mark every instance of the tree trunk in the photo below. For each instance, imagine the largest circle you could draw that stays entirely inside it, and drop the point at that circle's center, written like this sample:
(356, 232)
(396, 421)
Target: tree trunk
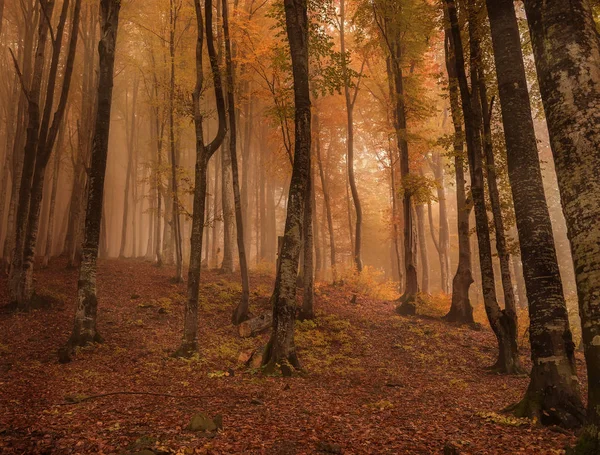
(50, 236)
(350, 101)
(189, 343)
(567, 57)
(326, 199)
(442, 241)
(84, 329)
(420, 211)
(240, 313)
(307, 311)
(176, 222)
(281, 348)
(510, 307)
(460, 310)
(130, 136)
(228, 209)
(33, 126)
(508, 361)
(393, 30)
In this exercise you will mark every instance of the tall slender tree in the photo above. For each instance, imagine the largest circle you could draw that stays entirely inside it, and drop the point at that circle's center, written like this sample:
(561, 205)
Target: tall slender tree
(189, 343)
(84, 329)
(281, 350)
(241, 311)
(501, 324)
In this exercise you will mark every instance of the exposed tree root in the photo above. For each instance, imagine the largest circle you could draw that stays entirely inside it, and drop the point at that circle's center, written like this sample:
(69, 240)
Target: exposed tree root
(407, 304)
(67, 352)
(550, 409)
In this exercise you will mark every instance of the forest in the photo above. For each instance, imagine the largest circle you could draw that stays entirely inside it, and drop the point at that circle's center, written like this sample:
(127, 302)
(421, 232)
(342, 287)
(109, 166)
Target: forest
(300, 227)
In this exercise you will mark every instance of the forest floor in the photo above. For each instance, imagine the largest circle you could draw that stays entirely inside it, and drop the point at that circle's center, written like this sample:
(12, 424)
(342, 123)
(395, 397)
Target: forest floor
(374, 382)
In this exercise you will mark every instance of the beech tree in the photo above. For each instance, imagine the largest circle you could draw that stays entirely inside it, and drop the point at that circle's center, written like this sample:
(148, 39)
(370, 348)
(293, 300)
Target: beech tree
(566, 48)
(553, 393)
(502, 324)
(85, 326)
(281, 349)
(189, 344)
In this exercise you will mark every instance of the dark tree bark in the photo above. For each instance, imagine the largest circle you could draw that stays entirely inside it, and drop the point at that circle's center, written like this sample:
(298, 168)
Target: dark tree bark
(33, 96)
(84, 329)
(566, 48)
(176, 222)
(501, 324)
(281, 349)
(553, 393)
(14, 161)
(51, 215)
(240, 313)
(510, 306)
(350, 102)
(189, 344)
(387, 20)
(43, 141)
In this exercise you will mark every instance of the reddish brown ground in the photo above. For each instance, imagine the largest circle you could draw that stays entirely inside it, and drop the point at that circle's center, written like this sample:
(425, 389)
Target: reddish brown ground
(375, 382)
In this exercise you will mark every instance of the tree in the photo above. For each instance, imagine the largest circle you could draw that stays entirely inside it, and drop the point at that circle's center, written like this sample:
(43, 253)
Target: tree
(387, 15)
(281, 349)
(501, 324)
(84, 328)
(240, 313)
(350, 98)
(566, 48)
(553, 392)
(189, 343)
(460, 309)
(42, 132)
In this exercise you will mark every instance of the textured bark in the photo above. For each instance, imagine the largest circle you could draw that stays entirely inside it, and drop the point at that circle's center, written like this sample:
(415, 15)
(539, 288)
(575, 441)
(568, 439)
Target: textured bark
(505, 332)
(350, 101)
(567, 56)
(189, 344)
(84, 328)
(281, 348)
(240, 313)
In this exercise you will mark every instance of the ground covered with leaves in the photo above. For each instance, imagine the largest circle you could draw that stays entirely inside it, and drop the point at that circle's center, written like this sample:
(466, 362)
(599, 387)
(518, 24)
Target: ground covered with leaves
(374, 382)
